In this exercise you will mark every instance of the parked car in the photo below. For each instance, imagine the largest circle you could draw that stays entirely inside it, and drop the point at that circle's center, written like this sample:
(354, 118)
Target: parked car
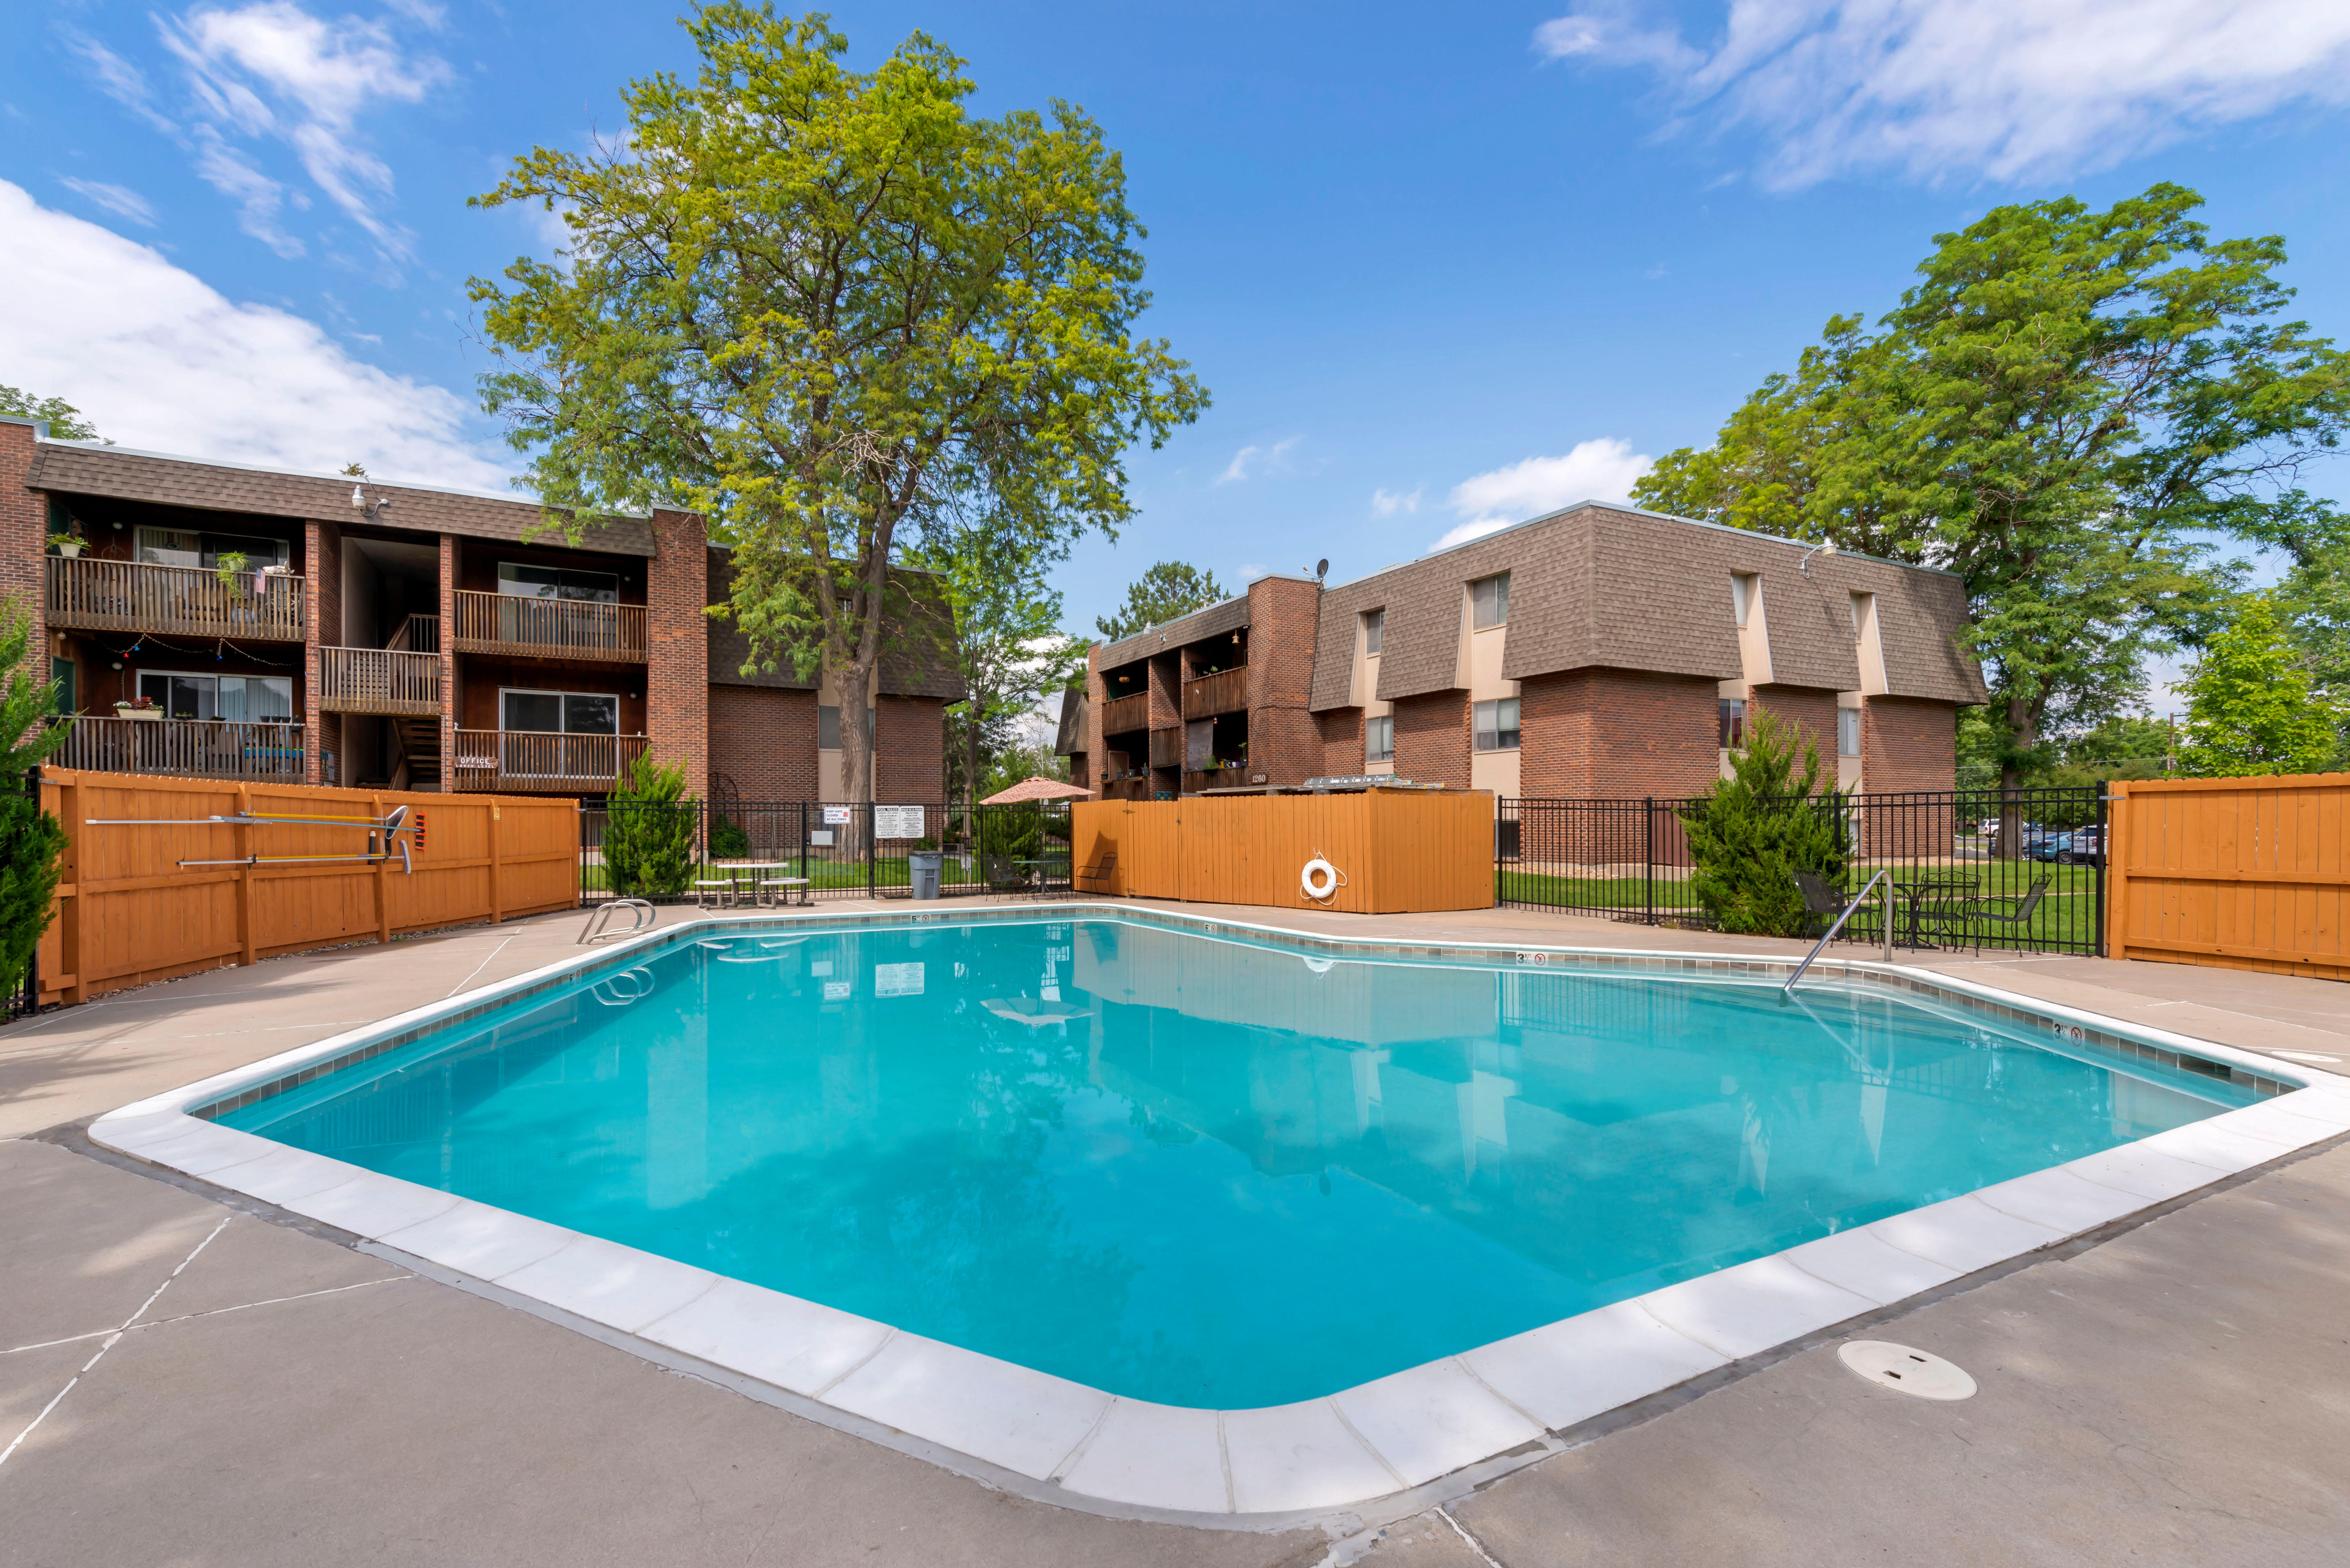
(2081, 846)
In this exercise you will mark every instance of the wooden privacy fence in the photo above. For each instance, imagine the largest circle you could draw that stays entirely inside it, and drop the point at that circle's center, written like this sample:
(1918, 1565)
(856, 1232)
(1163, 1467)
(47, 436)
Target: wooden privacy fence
(129, 913)
(2241, 873)
(1401, 852)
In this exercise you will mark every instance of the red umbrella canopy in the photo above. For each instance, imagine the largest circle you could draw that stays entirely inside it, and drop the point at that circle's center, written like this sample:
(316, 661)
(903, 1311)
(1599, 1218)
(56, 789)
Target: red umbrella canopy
(1034, 788)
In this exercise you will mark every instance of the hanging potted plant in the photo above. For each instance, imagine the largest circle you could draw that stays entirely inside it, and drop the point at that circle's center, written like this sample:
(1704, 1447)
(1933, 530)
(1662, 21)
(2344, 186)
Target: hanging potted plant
(69, 543)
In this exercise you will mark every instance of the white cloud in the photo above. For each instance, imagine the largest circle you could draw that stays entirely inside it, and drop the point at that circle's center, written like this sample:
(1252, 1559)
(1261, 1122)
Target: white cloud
(1602, 470)
(158, 358)
(1387, 503)
(120, 200)
(1251, 460)
(2015, 89)
(272, 70)
(257, 196)
(118, 77)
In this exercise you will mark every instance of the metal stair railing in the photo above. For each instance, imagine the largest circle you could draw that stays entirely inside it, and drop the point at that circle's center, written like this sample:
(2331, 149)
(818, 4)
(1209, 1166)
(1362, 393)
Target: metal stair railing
(1857, 899)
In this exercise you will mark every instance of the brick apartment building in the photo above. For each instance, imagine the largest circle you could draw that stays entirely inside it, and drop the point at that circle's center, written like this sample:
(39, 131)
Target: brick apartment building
(1598, 651)
(402, 637)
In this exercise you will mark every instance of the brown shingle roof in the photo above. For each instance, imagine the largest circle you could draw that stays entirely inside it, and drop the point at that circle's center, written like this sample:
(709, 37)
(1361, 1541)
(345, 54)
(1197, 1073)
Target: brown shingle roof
(920, 661)
(73, 468)
(1615, 587)
(1232, 615)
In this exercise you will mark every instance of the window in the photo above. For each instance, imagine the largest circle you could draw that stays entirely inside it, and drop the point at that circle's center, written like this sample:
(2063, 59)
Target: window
(1860, 607)
(1733, 724)
(559, 712)
(1497, 723)
(1489, 602)
(1378, 739)
(827, 728)
(185, 547)
(1848, 731)
(1741, 595)
(1374, 623)
(558, 582)
(63, 672)
(249, 699)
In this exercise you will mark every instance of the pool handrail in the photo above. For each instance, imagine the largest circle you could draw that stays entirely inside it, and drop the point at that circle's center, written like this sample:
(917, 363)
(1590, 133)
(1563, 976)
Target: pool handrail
(643, 915)
(1788, 989)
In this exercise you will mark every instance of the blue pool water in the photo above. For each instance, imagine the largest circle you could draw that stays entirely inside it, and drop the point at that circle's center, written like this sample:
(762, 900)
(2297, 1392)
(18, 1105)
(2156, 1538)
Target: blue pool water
(1203, 1171)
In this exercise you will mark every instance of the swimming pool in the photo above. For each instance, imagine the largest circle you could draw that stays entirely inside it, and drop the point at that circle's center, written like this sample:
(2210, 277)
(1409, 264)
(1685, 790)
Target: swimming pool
(1184, 1167)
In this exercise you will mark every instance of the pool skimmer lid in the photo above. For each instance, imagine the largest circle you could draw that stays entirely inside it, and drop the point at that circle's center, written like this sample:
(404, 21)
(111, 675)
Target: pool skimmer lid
(1905, 1370)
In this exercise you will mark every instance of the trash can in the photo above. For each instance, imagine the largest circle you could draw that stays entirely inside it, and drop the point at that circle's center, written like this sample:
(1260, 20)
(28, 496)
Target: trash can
(923, 866)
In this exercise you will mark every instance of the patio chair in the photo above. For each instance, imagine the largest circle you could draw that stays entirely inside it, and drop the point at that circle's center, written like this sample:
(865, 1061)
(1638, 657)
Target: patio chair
(1100, 870)
(714, 892)
(1003, 876)
(1979, 912)
(1822, 903)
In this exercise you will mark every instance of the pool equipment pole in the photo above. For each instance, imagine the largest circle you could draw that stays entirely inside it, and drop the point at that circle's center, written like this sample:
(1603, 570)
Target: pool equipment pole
(1788, 989)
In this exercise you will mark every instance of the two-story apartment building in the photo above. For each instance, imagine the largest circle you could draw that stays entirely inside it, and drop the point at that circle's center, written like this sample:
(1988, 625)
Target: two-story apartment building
(1598, 651)
(217, 620)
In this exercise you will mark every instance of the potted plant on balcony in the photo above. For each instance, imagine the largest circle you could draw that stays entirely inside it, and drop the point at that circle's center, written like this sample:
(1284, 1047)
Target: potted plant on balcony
(69, 543)
(230, 569)
(136, 708)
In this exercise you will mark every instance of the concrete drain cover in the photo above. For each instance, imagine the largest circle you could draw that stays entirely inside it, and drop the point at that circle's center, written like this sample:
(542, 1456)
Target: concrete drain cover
(1904, 1370)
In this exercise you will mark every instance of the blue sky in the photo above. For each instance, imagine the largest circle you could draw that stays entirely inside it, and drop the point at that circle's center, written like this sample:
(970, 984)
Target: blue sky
(1440, 268)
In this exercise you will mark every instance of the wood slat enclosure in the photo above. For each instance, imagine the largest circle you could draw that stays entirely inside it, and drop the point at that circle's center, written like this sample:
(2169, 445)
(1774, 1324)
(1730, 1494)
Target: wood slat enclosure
(92, 595)
(2239, 873)
(379, 680)
(1123, 716)
(183, 748)
(1401, 852)
(129, 913)
(582, 630)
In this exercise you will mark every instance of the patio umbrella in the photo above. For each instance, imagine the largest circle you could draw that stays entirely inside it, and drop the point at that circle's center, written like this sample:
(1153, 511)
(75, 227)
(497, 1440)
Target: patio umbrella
(1032, 788)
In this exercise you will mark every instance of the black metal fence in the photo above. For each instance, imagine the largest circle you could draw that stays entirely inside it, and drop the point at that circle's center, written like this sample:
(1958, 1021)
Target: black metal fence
(2025, 870)
(773, 851)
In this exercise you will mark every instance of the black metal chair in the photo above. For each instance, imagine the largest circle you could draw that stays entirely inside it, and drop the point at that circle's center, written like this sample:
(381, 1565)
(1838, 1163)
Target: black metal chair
(1822, 903)
(1976, 913)
(1099, 871)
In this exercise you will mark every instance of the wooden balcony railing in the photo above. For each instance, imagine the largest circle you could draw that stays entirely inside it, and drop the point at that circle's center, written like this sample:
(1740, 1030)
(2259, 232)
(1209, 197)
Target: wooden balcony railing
(521, 760)
(416, 634)
(1195, 781)
(1166, 748)
(550, 629)
(1225, 691)
(182, 748)
(379, 680)
(1122, 714)
(132, 596)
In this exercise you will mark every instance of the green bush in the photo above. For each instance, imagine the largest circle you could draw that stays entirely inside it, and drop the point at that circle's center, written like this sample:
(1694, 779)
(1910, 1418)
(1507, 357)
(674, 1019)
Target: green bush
(727, 841)
(1751, 834)
(649, 833)
(1013, 831)
(30, 838)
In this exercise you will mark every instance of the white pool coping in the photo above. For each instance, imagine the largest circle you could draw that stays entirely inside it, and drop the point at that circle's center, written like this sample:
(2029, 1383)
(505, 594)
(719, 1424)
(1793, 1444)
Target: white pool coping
(1346, 1451)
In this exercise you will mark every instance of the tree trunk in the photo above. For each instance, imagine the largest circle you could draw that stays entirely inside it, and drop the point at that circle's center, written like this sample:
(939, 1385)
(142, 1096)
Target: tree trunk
(2024, 728)
(856, 751)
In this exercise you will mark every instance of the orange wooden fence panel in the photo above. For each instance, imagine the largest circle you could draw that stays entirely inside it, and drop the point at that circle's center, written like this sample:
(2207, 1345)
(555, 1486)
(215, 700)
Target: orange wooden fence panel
(129, 913)
(2241, 873)
(1400, 852)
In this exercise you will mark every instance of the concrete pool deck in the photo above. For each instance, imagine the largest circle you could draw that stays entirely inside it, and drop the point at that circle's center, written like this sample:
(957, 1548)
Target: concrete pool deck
(79, 1230)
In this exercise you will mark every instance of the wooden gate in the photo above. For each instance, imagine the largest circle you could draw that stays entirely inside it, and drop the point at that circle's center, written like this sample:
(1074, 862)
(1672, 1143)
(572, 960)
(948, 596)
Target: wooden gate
(129, 912)
(2241, 873)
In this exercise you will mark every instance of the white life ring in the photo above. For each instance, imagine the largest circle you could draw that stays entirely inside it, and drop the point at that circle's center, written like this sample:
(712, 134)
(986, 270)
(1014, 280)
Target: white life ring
(1318, 870)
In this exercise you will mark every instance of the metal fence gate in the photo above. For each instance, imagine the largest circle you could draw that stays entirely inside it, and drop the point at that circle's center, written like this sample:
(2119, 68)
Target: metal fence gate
(824, 849)
(1965, 864)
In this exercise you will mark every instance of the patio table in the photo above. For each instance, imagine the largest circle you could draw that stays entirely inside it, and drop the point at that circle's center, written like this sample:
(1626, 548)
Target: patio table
(763, 886)
(1927, 899)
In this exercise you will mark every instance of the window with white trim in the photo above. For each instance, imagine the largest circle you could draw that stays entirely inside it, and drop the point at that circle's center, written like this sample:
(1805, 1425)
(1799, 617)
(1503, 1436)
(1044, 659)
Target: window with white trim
(1378, 739)
(1731, 724)
(1375, 623)
(1496, 725)
(518, 580)
(246, 699)
(190, 547)
(558, 712)
(827, 728)
(1848, 731)
(1489, 602)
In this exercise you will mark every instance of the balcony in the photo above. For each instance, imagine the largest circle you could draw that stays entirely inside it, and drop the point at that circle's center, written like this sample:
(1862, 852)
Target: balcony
(91, 595)
(521, 762)
(1225, 691)
(1123, 714)
(578, 630)
(1166, 748)
(183, 748)
(379, 680)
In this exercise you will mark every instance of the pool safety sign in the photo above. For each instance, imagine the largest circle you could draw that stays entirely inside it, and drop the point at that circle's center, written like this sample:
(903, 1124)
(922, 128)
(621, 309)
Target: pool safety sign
(897, 979)
(836, 815)
(897, 822)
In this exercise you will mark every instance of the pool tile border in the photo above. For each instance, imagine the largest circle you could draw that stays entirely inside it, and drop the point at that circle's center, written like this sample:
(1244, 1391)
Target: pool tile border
(1281, 1465)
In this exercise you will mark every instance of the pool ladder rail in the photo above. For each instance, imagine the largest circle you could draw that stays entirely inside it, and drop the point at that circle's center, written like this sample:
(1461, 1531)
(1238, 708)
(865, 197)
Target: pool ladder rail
(627, 986)
(642, 916)
(1857, 899)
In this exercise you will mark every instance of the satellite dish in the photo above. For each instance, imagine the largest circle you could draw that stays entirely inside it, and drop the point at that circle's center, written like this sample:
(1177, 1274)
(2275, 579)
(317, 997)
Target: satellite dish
(1321, 567)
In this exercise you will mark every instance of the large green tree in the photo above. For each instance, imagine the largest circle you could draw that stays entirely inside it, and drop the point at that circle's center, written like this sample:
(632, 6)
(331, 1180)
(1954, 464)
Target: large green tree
(65, 422)
(2249, 705)
(833, 311)
(1167, 590)
(31, 839)
(2066, 410)
(1009, 645)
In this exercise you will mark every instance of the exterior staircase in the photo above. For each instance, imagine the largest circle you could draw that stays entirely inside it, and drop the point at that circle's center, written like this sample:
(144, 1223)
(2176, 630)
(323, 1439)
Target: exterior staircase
(419, 766)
